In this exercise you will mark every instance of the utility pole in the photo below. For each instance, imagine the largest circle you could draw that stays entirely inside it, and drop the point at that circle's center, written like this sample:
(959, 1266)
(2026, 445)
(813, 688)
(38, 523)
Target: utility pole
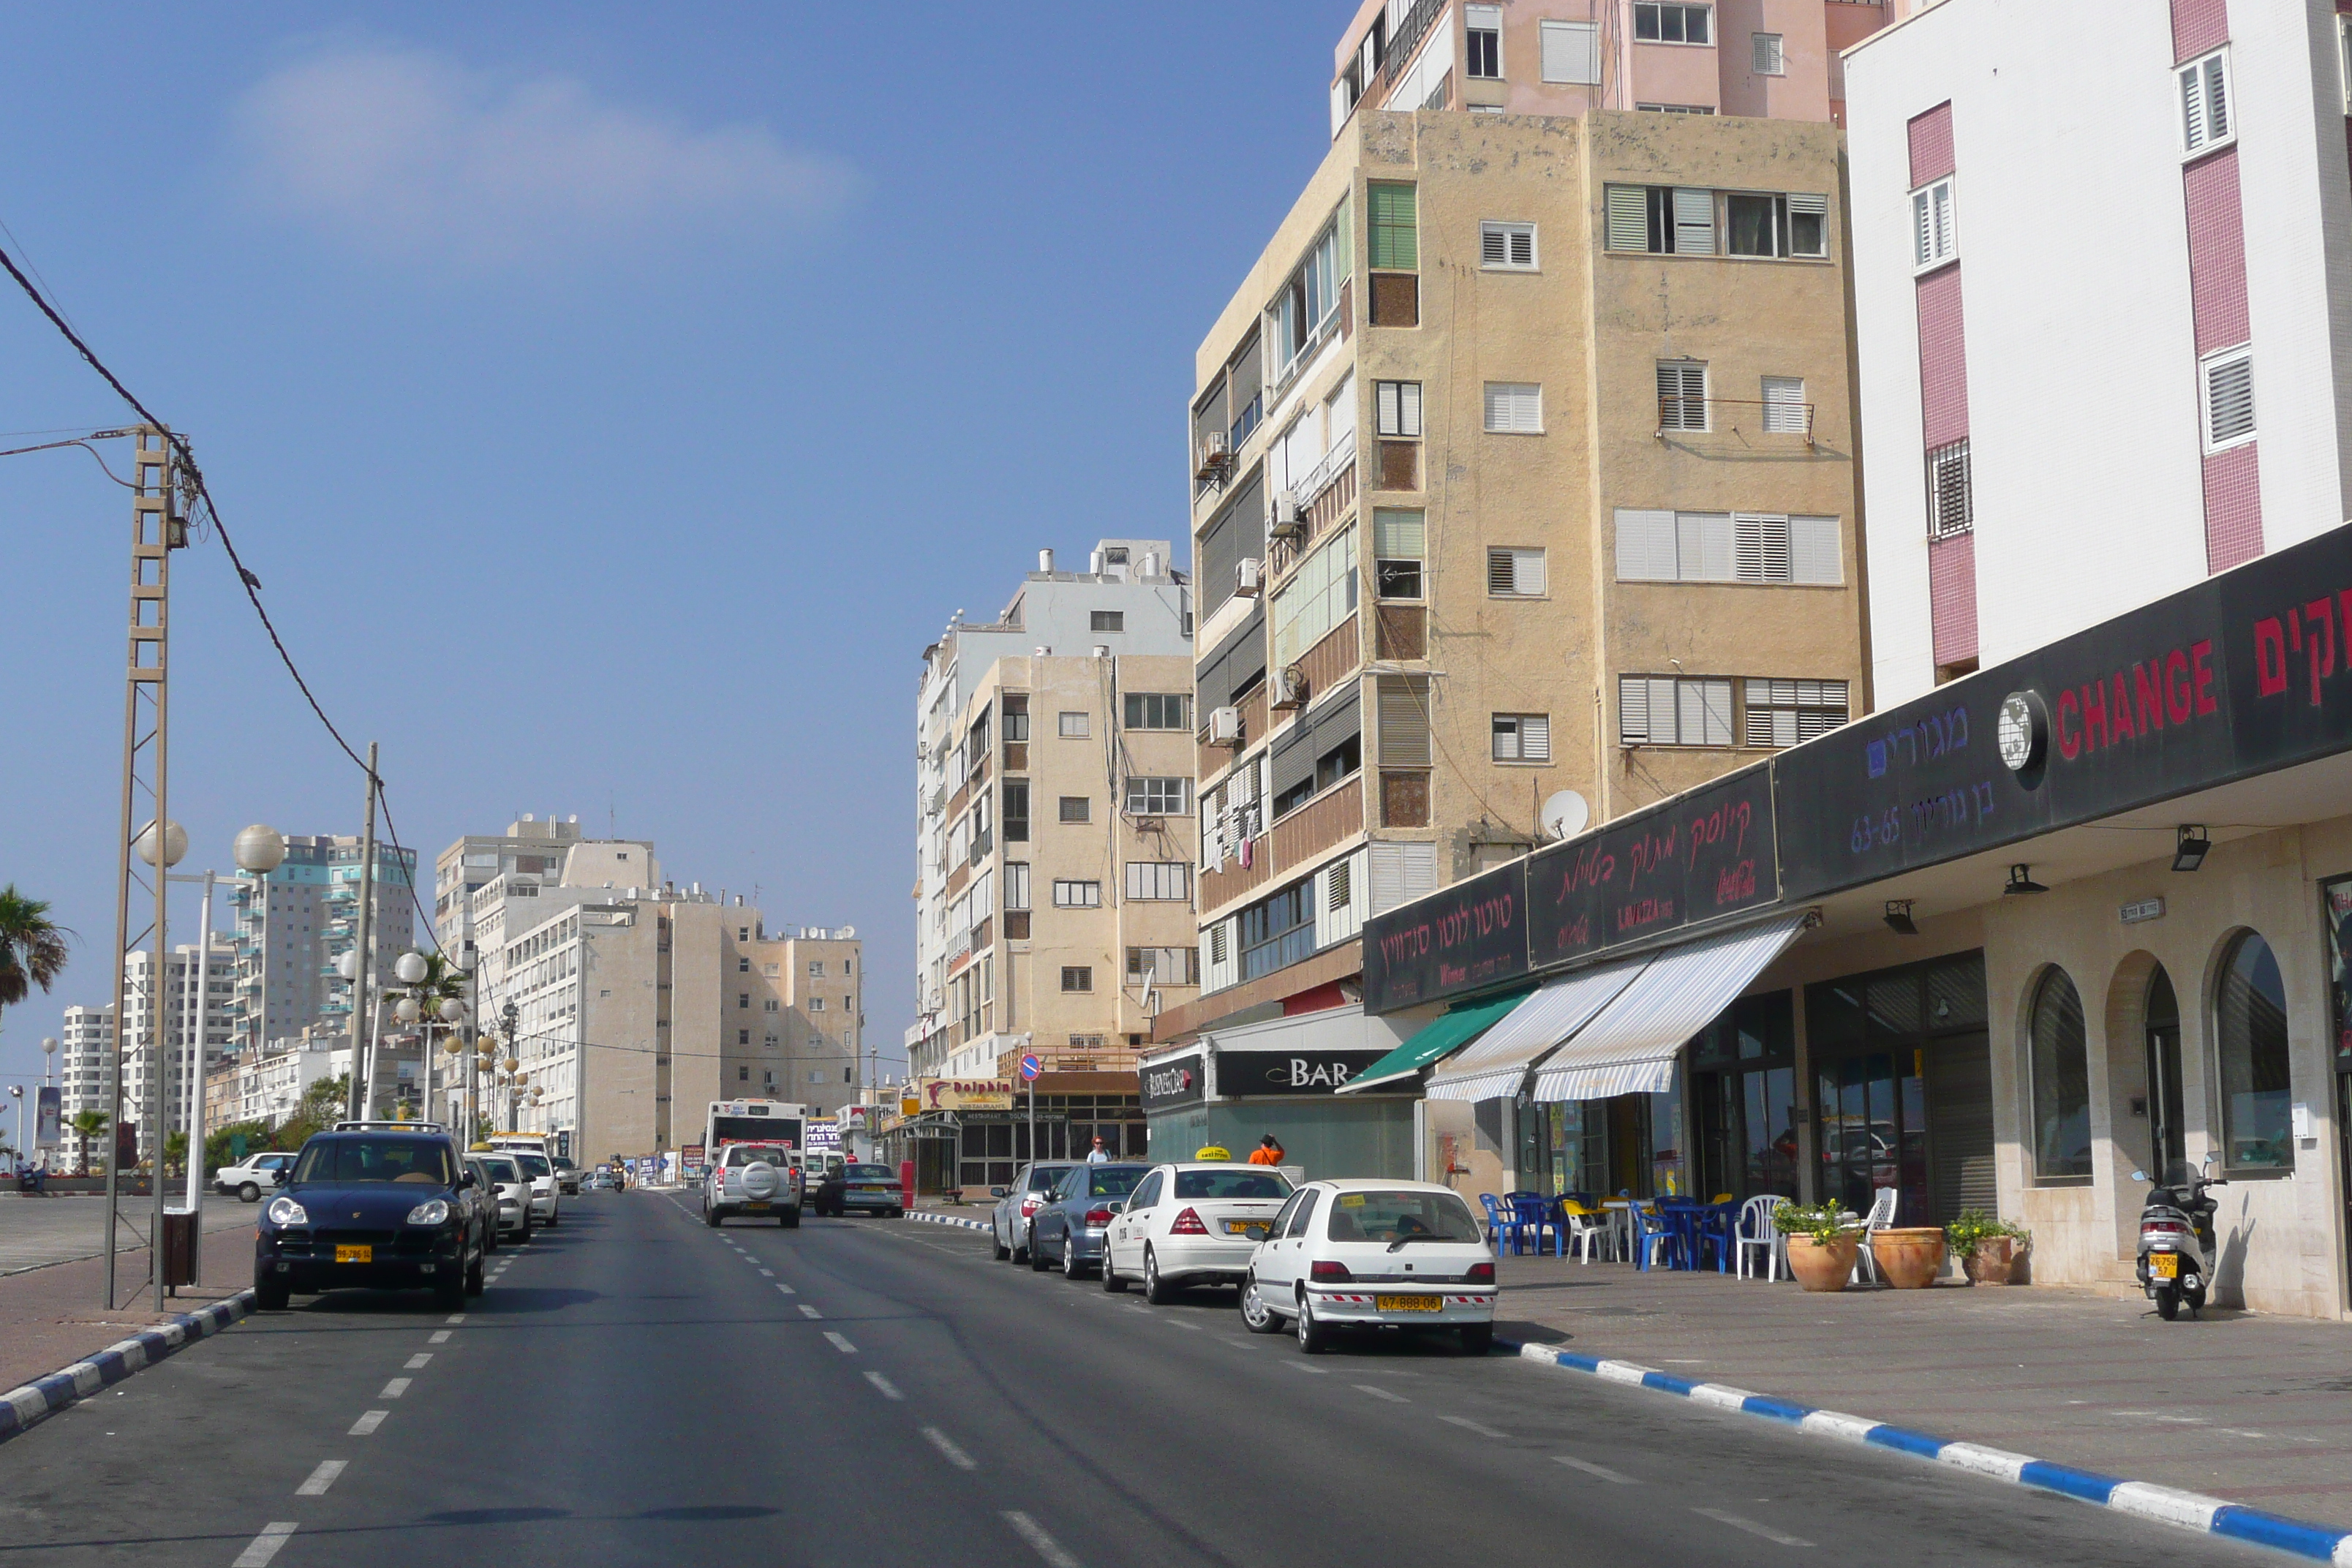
(363, 1097)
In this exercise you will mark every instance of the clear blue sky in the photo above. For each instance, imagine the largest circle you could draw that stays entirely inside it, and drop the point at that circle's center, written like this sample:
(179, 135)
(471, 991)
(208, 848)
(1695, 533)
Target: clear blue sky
(612, 400)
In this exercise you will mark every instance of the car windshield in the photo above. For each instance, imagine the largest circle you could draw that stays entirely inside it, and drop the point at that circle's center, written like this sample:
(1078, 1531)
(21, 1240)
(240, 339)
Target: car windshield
(1112, 1181)
(740, 1154)
(1400, 1216)
(532, 1165)
(560, 1162)
(413, 1160)
(501, 1170)
(872, 1174)
(1230, 1184)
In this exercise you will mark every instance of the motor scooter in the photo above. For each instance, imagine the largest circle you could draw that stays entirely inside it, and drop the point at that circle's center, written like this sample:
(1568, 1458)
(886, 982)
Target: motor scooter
(2177, 1245)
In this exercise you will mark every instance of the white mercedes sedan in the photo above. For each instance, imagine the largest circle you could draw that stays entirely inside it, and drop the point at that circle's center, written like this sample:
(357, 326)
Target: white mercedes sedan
(1190, 1225)
(1372, 1254)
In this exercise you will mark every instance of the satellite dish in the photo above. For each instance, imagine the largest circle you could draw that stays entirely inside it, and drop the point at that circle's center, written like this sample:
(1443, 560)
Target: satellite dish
(1565, 815)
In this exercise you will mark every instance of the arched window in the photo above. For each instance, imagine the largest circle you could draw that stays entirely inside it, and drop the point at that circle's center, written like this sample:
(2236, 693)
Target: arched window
(2249, 1019)
(2061, 1081)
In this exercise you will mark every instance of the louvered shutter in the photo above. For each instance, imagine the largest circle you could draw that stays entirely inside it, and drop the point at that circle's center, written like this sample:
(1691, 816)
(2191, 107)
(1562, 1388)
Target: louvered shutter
(1494, 245)
(1784, 405)
(1645, 546)
(2193, 133)
(1568, 54)
(1922, 230)
(1681, 394)
(1759, 547)
(1802, 202)
(1821, 707)
(1398, 534)
(1816, 553)
(1693, 222)
(1405, 722)
(1704, 539)
(1946, 240)
(1629, 219)
(1633, 711)
(1501, 576)
(2229, 399)
(1715, 712)
(1527, 572)
(1535, 738)
(1523, 247)
(2217, 100)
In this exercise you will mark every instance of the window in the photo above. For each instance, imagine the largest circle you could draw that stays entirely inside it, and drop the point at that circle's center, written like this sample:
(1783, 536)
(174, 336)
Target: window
(1668, 24)
(1338, 885)
(1158, 881)
(1319, 596)
(1107, 621)
(2061, 1081)
(1514, 408)
(2249, 1008)
(1155, 797)
(743, 1074)
(1077, 977)
(742, 1036)
(1399, 407)
(1163, 965)
(1404, 721)
(1072, 726)
(1763, 548)
(1392, 237)
(1507, 246)
(1016, 884)
(1158, 710)
(1310, 301)
(1077, 895)
(1016, 716)
(1766, 54)
(1077, 808)
(1399, 544)
(743, 1001)
(1681, 394)
(1665, 220)
(1676, 109)
(1775, 225)
(817, 1003)
(1016, 813)
(1785, 713)
(2229, 379)
(2208, 115)
(1522, 737)
(1571, 52)
(1515, 573)
(1934, 226)
(1672, 710)
(744, 966)
(769, 1006)
(1342, 761)
(1278, 931)
(1951, 504)
(1784, 406)
(1484, 26)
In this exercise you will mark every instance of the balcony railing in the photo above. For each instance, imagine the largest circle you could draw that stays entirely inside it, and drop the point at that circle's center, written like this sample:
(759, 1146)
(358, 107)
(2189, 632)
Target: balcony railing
(1689, 416)
(1406, 39)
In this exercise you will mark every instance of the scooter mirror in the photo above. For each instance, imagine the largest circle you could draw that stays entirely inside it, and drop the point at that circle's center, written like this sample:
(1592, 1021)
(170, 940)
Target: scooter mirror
(2139, 1175)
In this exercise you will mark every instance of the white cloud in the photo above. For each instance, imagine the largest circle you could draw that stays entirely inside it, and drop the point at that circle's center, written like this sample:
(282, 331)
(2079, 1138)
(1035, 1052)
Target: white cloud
(404, 152)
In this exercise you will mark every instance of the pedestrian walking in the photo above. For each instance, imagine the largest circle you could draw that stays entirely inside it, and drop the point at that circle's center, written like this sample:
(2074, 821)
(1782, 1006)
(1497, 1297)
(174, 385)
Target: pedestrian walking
(1099, 1156)
(1268, 1153)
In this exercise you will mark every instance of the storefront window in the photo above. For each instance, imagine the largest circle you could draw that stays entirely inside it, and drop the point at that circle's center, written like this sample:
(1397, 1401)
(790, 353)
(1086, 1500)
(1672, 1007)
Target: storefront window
(2061, 1081)
(2337, 896)
(1903, 1088)
(1744, 1087)
(2250, 1020)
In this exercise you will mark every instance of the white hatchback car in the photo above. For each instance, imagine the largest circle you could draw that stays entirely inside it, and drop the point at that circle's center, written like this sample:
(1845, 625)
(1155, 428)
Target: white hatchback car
(1373, 1254)
(1190, 1225)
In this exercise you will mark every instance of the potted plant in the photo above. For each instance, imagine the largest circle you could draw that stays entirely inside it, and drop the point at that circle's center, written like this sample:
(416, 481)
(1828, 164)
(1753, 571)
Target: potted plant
(1909, 1257)
(1824, 1241)
(1988, 1249)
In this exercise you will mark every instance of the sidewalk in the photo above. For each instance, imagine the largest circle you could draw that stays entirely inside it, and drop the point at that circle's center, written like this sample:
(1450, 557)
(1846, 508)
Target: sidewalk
(2249, 1408)
(36, 1232)
(51, 1318)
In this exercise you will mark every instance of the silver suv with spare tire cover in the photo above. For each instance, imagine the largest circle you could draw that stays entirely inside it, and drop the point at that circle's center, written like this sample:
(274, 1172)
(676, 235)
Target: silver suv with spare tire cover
(756, 1179)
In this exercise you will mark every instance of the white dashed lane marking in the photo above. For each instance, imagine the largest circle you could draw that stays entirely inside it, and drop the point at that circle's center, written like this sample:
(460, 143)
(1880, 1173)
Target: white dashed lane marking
(948, 1450)
(1377, 1392)
(1045, 1545)
(1469, 1425)
(416, 1363)
(368, 1423)
(809, 1311)
(788, 1290)
(265, 1546)
(441, 1336)
(455, 1318)
(321, 1479)
(395, 1388)
(1301, 1366)
(1779, 1538)
(841, 1344)
(1590, 1468)
(889, 1390)
(765, 1273)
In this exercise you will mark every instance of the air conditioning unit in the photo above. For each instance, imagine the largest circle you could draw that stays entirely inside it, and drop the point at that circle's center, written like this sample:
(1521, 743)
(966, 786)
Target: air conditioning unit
(1248, 572)
(1214, 459)
(1224, 726)
(1290, 517)
(1290, 689)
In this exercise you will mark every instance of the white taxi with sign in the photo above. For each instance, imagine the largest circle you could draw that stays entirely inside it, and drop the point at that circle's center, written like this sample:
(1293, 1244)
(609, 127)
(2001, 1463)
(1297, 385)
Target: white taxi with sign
(1190, 1225)
(1372, 1253)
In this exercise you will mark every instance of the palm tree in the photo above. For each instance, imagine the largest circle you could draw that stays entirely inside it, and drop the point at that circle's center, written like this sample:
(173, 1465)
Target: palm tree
(32, 947)
(87, 1125)
(443, 981)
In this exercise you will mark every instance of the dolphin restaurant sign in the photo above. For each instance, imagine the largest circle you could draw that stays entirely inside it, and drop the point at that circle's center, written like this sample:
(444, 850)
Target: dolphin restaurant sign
(2240, 675)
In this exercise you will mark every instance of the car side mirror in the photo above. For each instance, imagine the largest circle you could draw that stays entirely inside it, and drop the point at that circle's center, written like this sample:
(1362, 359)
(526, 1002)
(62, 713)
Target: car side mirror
(467, 1180)
(999, 1192)
(2139, 1175)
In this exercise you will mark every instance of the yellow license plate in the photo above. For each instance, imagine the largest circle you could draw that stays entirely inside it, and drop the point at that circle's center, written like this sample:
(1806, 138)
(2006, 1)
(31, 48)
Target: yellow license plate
(1251, 1227)
(1408, 1304)
(756, 1208)
(2164, 1265)
(355, 1254)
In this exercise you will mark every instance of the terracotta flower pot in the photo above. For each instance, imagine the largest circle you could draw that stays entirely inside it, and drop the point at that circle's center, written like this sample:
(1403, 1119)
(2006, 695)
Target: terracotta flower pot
(1989, 1263)
(1821, 1266)
(1909, 1257)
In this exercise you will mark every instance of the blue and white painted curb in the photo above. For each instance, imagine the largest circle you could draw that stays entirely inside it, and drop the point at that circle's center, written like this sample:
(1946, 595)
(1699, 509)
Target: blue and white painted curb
(2165, 1505)
(930, 1218)
(23, 1408)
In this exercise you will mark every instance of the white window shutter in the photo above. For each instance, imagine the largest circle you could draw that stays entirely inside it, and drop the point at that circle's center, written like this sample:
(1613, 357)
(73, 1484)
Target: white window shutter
(1693, 222)
(1408, 407)
(1645, 546)
(1946, 236)
(1535, 738)
(1922, 230)
(1816, 553)
(1784, 405)
(1523, 247)
(2193, 133)
(1494, 245)
(1569, 52)
(2229, 399)
(1705, 547)
(1629, 218)
(1807, 202)
(1527, 572)
(1633, 711)
(1760, 544)
(1498, 406)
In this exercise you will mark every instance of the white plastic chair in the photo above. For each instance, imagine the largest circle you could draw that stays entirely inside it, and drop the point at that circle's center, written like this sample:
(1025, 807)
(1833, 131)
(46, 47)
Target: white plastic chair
(1757, 1229)
(1588, 1233)
(1882, 1215)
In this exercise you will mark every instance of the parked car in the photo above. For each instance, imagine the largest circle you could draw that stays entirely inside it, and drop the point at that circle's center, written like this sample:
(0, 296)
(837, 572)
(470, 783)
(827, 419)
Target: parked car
(1069, 1230)
(753, 1179)
(485, 1194)
(512, 1200)
(1031, 1189)
(545, 1203)
(567, 1177)
(253, 1175)
(1191, 1224)
(1372, 1254)
(374, 1205)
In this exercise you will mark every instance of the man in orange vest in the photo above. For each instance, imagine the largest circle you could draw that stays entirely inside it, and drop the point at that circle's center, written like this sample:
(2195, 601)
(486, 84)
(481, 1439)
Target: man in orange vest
(1268, 1153)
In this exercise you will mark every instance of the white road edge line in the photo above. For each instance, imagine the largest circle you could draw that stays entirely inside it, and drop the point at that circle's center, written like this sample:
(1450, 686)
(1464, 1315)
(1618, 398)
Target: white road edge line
(321, 1479)
(1590, 1468)
(1777, 1537)
(368, 1423)
(1469, 1425)
(1302, 1366)
(1377, 1392)
(948, 1450)
(395, 1388)
(889, 1389)
(839, 1344)
(265, 1546)
(456, 1316)
(416, 1363)
(1045, 1545)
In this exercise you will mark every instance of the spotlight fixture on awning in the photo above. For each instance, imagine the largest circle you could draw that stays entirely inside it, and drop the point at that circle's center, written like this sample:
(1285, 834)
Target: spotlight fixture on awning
(2020, 882)
(2190, 851)
(1898, 918)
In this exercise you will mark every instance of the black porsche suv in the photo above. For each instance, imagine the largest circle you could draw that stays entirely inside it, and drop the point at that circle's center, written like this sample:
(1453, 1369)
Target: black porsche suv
(375, 1206)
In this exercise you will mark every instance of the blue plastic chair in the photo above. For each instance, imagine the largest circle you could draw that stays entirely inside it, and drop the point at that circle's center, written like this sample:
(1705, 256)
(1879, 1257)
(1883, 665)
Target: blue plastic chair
(1504, 1227)
(1536, 1214)
(1654, 1234)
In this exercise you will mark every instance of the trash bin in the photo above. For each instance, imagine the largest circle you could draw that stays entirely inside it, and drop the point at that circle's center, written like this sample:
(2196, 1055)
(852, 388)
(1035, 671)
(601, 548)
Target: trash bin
(181, 1263)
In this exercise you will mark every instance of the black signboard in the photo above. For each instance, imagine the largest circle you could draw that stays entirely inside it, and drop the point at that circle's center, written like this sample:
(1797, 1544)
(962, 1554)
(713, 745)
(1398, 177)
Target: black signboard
(1176, 1082)
(1251, 1073)
(2246, 673)
(1696, 857)
(1462, 938)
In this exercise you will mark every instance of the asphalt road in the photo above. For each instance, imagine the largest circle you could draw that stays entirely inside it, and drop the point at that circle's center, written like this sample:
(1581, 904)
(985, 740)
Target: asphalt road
(637, 1388)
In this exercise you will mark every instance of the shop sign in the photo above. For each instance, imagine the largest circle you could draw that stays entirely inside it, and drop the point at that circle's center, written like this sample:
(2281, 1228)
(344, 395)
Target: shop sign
(1695, 858)
(964, 1093)
(1464, 937)
(1248, 1074)
(1171, 1083)
(2242, 674)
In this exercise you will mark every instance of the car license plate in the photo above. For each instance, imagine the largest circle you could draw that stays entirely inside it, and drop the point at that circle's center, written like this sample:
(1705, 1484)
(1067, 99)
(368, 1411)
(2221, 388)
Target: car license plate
(756, 1208)
(1408, 1304)
(1252, 1229)
(355, 1254)
(2164, 1265)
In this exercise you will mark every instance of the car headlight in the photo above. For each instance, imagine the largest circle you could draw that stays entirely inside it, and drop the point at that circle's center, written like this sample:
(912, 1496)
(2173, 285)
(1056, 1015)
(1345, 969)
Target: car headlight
(286, 1211)
(433, 1211)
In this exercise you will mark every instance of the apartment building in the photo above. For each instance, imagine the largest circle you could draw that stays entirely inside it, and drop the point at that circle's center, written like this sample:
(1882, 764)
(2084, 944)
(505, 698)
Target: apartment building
(529, 847)
(196, 996)
(85, 1057)
(1778, 59)
(267, 1086)
(293, 925)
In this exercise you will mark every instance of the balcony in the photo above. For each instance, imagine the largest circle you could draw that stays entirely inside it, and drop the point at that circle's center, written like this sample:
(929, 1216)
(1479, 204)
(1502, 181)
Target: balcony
(1332, 660)
(1679, 415)
(1332, 817)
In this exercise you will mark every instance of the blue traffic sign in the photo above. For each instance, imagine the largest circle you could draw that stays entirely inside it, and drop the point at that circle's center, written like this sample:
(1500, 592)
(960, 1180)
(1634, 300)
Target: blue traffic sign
(1031, 1066)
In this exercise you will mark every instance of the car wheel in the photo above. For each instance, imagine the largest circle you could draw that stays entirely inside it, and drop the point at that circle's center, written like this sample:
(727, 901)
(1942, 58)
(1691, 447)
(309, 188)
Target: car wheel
(271, 1295)
(711, 1216)
(1071, 1267)
(474, 1281)
(250, 1192)
(1477, 1339)
(1156, 1290)
(1036, 1258)
(553, 1218)
(897, 1214)
(1113, 1282)
(449, 1289)
(997, 1249)
(1313, 1336)
(1256, 1316)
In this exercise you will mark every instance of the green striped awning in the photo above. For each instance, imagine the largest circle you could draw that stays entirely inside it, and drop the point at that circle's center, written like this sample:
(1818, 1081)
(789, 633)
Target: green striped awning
(1441, 1038)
